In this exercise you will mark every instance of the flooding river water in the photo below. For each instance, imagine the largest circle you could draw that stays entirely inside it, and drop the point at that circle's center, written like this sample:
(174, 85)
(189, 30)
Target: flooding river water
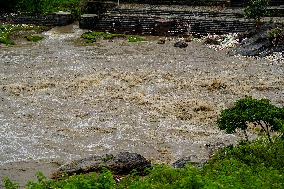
(61, 101)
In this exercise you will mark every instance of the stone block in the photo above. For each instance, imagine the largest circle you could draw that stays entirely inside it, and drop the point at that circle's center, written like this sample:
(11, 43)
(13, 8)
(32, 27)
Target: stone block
(88, 21)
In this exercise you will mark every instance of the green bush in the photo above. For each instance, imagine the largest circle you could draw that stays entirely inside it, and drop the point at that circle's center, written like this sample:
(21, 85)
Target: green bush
(91, 37)
(259, 113)
(42, 6)
(257, 164)
(89, 181)
(163, 176)
(9, 184)
(256, 9)
(258, 152)
(6, 30)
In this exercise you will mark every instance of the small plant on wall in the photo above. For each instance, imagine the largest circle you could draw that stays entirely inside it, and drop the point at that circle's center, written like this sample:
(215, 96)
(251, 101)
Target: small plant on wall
(256, 9)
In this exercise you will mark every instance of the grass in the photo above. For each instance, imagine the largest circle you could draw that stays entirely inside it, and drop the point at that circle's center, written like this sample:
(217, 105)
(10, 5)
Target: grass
(7, 30)
(91, 37)
(34, 38)
(135, 38)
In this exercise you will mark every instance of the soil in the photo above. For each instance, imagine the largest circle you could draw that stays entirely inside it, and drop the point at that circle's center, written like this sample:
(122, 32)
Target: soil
(61, 101)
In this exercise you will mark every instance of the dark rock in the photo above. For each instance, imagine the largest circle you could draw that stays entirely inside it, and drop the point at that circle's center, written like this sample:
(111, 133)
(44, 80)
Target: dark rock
(88, 21)
(213, 148)
(181, 163)
(260, 43)
(163, 26)
(161, 41)
(212, 40)
(123, 163)
(181, 44)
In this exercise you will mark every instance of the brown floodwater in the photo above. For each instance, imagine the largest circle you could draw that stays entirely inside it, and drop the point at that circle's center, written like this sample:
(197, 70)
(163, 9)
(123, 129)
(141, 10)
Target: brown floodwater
(60, 100)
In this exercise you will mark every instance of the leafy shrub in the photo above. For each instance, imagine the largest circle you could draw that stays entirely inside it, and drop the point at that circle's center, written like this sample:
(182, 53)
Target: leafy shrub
(260, 113)
(89, 181)
(258, 152)
(257, 164)
(163, 176)
(256, 9)
(9, 184)
(5, 31)
(275, 35)
(231, 173)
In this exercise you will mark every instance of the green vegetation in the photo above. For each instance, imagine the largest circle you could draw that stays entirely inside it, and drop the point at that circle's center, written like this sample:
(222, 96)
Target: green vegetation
(34, 38)
(259, 114)
(91, 37)
(135, 38)
(9, 184)
(256, 9)
(256, 164)
(7, 30)
(42, 6)
(275, 34)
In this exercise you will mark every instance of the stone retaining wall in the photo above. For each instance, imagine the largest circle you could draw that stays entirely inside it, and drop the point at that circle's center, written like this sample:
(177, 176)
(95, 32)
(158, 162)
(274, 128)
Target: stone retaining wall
(234, 3)
(179, 2)
(54, 19)
(241, 3)
(157, 12)
(154, 25)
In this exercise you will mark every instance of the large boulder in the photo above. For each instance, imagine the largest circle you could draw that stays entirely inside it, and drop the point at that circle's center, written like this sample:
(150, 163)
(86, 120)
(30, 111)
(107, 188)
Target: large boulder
(122, 163)
(262, 42)
(163, 26)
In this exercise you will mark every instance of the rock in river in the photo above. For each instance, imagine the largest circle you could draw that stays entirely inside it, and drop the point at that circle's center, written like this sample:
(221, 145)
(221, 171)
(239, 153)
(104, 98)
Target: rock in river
(181, 44)
(122, 163)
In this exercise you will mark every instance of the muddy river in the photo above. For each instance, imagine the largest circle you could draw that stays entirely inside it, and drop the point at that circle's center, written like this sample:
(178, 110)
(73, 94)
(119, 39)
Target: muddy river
(61, 101)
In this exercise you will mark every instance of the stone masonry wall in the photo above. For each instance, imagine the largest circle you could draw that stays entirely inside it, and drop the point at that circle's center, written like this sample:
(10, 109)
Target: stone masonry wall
(54, 19)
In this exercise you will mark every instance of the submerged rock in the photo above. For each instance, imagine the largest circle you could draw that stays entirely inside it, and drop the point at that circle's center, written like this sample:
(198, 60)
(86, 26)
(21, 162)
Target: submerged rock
(122, 163)
(212, 40)
(181, 163)
(181, 44)
(161, 41)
